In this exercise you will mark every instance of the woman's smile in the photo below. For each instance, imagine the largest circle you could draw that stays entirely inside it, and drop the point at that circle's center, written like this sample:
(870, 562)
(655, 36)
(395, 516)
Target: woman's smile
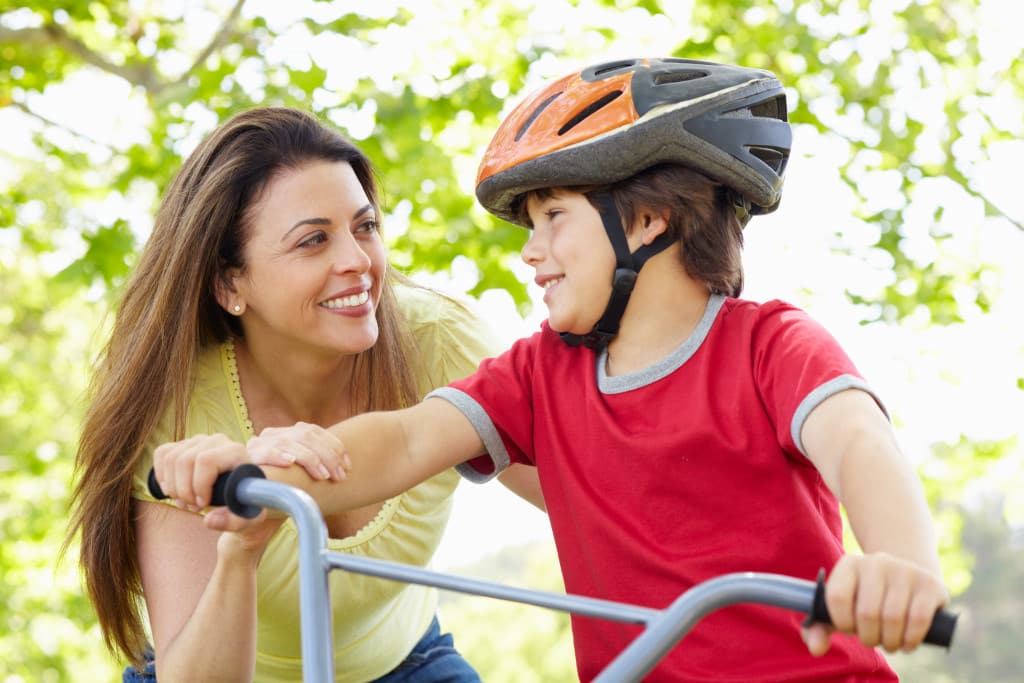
(351, 304)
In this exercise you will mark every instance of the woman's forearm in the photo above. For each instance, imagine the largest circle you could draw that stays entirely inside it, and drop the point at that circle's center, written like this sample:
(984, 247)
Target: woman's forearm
(218, 643)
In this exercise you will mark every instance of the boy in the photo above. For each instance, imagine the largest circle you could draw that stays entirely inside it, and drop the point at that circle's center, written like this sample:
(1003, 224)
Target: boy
(679, 432)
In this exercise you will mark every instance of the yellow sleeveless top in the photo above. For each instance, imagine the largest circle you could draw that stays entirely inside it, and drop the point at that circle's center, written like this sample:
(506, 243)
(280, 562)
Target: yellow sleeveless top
(376, 622)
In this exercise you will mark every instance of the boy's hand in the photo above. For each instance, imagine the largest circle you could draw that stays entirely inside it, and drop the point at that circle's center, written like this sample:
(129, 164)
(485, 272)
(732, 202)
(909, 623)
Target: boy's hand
(319, 452)
(883, 600)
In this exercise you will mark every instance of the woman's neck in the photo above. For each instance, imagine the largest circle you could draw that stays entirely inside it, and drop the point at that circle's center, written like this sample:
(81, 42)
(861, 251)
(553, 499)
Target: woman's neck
(281, 389)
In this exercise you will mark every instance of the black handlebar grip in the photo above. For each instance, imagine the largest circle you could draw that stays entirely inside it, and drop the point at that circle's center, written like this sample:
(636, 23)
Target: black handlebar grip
(225, 489)
(939, 633)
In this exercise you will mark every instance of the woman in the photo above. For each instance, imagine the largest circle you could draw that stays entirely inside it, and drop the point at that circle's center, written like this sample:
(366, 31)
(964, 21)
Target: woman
(263, 299)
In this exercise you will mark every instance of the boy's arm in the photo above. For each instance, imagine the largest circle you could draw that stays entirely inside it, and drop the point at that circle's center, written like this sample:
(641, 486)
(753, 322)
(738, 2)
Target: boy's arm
(390, 452)
(523, 481)
(852, 444)
(889, 595)
(384, 453)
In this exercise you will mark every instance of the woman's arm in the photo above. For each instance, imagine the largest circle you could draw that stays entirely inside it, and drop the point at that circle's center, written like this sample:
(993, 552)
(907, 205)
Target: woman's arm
(889, 595)
(200, 588)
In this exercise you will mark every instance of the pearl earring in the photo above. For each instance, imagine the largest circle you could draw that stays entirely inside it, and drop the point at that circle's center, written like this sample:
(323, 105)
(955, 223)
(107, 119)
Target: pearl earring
(238, 309)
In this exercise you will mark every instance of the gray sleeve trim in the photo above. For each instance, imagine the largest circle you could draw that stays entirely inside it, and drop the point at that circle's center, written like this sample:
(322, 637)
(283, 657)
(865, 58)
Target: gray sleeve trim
(816, 397)
(484, 427)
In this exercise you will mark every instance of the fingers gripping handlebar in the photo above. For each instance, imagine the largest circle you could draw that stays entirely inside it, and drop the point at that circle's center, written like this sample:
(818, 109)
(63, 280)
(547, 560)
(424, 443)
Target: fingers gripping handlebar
(225, 492)
(225, 489)
(939, 633)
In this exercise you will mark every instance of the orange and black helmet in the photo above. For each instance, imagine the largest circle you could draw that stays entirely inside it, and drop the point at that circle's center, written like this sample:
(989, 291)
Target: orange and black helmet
(613, 120)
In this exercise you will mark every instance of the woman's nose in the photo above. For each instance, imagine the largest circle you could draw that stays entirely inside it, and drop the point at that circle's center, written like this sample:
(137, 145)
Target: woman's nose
(349, 256)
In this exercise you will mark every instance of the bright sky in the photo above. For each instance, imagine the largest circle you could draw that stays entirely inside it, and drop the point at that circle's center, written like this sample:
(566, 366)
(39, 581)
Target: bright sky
(937, 381)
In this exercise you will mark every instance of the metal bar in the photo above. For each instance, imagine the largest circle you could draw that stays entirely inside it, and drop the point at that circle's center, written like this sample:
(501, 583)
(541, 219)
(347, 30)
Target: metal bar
(663, 628)
(591, 607)
(314, 598)
(674, 622)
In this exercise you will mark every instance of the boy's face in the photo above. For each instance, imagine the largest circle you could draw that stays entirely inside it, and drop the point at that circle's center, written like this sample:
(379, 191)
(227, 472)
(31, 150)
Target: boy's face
(573, 259)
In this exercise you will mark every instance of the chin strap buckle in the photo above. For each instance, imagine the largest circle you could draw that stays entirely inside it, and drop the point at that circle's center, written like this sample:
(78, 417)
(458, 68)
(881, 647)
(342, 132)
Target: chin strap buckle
(608, 326)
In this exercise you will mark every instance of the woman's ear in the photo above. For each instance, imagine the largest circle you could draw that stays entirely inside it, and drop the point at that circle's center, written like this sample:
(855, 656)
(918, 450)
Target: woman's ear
(226, 292)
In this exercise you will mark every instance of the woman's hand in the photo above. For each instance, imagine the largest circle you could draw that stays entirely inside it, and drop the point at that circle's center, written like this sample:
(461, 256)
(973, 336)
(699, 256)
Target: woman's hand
(320, 453)
(187, 469)
(883, 600)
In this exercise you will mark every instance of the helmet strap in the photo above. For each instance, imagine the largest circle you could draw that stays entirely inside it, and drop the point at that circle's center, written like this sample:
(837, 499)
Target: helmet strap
(627, 269)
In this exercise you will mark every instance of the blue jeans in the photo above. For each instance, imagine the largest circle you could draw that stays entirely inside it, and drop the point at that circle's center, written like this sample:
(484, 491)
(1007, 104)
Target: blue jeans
(148, 673)
(433, 660)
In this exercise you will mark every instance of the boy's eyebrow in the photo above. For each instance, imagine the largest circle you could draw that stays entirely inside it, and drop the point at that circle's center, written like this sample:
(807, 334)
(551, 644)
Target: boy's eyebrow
(319, 220)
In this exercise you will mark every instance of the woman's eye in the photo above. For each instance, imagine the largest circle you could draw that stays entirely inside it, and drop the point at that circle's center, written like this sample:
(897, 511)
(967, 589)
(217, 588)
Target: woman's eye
(313, 240)
(367, 227)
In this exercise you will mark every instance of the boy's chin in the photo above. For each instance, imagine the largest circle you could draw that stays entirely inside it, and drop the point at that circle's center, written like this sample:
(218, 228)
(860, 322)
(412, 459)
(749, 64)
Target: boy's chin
(561, 328)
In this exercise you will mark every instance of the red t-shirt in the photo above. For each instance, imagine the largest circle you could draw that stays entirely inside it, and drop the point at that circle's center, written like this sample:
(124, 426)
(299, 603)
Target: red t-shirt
(692, 468)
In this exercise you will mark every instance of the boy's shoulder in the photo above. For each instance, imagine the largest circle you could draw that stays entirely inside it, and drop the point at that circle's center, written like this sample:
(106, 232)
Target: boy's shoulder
(761, 311)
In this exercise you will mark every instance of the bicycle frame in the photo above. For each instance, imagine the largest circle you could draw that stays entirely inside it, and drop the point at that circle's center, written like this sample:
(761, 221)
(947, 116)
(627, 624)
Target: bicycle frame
(663, 628)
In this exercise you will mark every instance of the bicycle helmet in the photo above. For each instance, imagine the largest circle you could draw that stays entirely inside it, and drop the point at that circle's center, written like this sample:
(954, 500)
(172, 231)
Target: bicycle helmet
(616, 119)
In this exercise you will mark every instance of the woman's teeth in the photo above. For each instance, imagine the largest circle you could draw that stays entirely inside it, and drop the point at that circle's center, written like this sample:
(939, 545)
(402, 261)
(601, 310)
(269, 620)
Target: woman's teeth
(347, 301)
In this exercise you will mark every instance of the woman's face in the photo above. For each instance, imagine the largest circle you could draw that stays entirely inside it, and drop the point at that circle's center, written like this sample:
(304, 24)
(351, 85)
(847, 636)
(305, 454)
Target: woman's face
(315, 263)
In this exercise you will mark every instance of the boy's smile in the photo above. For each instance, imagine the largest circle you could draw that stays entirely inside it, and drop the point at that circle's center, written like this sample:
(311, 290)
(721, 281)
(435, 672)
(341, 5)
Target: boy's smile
(572, 257)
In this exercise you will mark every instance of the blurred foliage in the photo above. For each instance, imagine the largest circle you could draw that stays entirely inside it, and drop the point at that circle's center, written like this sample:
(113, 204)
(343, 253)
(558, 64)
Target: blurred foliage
(531, 643)
(911, 92)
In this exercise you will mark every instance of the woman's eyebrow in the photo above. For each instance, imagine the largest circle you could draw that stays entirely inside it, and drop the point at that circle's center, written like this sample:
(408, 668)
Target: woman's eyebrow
(319, 220)
(306, 221)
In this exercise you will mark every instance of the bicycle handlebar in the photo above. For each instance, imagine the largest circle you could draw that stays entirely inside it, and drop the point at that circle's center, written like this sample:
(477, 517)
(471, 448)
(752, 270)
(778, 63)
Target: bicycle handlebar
(940, 632)
(225, 489)
(225, 492)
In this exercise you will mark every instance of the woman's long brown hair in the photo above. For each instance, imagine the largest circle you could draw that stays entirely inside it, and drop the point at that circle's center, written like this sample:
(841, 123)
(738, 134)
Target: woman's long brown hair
(168, 313)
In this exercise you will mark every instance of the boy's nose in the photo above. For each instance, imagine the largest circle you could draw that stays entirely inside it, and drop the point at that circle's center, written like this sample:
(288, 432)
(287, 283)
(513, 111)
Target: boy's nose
(532, 252)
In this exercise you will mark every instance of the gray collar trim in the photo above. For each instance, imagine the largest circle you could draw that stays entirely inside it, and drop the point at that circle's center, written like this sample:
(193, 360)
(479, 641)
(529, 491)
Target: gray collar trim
(665, 366)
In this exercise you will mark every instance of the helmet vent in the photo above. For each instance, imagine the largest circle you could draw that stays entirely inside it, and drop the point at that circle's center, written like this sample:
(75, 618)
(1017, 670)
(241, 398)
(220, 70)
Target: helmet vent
(536, 112)
(606, 69)
(775, 159)
(677, 76)
(590, 109)
(774, 108)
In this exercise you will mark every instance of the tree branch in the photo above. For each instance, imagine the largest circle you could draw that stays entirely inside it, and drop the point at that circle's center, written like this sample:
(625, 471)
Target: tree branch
(140, 74)
(21, 106)
(217, 41)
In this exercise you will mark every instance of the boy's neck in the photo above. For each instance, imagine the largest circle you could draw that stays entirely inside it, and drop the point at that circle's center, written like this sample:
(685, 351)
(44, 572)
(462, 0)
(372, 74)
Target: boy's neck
(664, 309)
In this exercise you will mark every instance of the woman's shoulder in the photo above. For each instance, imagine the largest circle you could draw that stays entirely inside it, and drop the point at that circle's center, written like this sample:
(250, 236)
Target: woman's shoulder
(430, 313)
(215, 397)
(420, 305)
(448, 334)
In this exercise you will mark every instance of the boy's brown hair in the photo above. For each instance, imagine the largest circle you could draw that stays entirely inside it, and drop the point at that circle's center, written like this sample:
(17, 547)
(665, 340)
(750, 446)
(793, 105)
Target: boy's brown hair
(701, 215)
